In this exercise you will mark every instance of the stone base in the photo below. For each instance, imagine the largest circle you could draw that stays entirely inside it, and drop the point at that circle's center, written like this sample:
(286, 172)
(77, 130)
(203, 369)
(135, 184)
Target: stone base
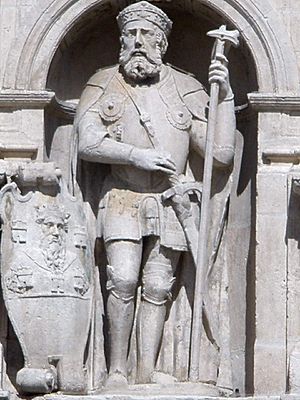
(150, 391)
(177, 391)
(169, 396)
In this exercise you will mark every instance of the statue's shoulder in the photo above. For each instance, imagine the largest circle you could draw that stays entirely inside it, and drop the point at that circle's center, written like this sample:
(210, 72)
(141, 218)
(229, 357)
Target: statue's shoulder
(103, 76)
(186, 82)
(94, 90)
(192, 92)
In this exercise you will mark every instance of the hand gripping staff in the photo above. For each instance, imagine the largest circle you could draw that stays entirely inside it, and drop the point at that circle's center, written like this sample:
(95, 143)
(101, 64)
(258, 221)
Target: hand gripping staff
(224, 39)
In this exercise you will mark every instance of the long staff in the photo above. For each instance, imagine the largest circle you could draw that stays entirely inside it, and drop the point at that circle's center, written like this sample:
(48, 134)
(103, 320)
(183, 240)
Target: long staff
(223, 41)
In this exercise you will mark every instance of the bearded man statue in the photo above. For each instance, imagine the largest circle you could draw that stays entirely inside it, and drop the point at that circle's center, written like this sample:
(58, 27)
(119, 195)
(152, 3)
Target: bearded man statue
(142, 117)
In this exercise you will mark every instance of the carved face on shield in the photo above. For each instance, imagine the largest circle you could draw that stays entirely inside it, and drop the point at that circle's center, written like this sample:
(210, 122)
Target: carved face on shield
(53, 223)
(53, 229)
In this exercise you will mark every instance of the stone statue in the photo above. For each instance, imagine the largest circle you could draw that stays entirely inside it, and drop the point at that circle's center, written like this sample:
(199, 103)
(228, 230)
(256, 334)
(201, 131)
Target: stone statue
(144, 118)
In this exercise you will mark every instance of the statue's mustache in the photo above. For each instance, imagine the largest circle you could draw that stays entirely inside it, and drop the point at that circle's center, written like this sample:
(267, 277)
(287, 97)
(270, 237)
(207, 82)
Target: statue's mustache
(126, 55)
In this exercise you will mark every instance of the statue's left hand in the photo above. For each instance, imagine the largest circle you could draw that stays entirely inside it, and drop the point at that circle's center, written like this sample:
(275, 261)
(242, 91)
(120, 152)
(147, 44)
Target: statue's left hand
(218, 72)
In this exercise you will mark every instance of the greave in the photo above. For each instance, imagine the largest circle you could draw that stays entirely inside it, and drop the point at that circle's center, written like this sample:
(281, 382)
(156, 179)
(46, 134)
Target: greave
(150, 325)
(120, 316)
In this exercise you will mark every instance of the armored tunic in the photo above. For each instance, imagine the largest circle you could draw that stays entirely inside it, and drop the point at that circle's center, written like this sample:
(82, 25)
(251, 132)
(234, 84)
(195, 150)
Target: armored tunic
(160, 116)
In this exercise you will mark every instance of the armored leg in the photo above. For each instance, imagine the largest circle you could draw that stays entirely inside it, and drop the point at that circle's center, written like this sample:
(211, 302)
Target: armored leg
(158, 278)
(124, 259)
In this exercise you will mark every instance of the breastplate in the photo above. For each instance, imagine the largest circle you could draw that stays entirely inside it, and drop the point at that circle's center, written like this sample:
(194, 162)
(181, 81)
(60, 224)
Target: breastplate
(122, 110)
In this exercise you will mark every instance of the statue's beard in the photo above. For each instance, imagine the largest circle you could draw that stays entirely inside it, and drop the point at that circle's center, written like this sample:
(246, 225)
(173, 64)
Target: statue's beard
(140, 66)
(54, 253)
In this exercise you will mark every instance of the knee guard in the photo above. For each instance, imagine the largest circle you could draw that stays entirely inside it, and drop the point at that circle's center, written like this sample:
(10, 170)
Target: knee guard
(157, 286)
(121, 287)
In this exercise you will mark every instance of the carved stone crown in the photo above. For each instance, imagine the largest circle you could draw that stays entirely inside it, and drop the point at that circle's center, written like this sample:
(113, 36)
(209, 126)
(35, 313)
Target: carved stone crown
(52, 213)
(145, 11)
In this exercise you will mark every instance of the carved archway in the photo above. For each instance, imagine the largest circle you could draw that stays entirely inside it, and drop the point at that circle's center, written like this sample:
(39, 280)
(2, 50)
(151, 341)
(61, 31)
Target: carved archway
(266, 38)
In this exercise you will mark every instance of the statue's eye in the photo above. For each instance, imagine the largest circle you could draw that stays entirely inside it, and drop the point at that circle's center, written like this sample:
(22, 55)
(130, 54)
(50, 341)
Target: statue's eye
(147, 33)
(130, 34)
(150, 33)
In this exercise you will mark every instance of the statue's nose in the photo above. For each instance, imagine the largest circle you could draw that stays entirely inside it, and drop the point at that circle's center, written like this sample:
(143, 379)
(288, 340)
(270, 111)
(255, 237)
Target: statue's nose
(55, 230)
(138, 39)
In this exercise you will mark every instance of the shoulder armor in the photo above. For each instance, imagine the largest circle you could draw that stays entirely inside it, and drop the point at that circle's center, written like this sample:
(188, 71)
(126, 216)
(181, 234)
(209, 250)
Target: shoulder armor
(186, 83)
(192, 93)
(103, 76)
(94, 90)
(174, 67)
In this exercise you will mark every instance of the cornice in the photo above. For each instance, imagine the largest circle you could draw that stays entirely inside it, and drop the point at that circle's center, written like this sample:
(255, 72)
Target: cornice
(270, 102)
(25, 98)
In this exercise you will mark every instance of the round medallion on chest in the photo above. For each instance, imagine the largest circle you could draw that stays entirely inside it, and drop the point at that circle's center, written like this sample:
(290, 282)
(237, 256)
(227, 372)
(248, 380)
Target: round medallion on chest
(180, 118)
(111, 106)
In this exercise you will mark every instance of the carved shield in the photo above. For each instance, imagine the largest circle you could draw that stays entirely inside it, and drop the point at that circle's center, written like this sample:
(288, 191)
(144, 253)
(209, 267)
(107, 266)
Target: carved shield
(47, 282)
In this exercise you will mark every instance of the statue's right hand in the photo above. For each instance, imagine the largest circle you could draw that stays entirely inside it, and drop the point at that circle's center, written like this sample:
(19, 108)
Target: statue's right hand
(152, 160)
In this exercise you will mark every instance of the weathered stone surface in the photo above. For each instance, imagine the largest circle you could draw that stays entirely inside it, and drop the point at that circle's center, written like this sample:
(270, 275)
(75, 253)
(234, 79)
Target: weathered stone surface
(170, 396)
(136, 118)
(48, 51)
(47, 282)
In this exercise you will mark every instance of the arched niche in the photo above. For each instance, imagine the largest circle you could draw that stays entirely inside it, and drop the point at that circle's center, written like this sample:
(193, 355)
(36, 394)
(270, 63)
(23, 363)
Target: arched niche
(93, 42)
(266, 38)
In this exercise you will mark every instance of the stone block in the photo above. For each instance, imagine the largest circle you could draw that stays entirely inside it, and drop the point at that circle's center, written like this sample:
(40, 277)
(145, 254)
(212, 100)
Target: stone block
(271, 286)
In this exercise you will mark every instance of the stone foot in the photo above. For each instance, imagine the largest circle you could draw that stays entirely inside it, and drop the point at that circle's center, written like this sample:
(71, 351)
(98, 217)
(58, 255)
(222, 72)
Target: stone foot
(116, 380)
(162, 379)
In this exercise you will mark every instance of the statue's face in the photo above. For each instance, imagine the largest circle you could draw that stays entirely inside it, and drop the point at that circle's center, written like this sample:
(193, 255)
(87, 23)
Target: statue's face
(53, 229)
(141, 54)
(139, 38)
